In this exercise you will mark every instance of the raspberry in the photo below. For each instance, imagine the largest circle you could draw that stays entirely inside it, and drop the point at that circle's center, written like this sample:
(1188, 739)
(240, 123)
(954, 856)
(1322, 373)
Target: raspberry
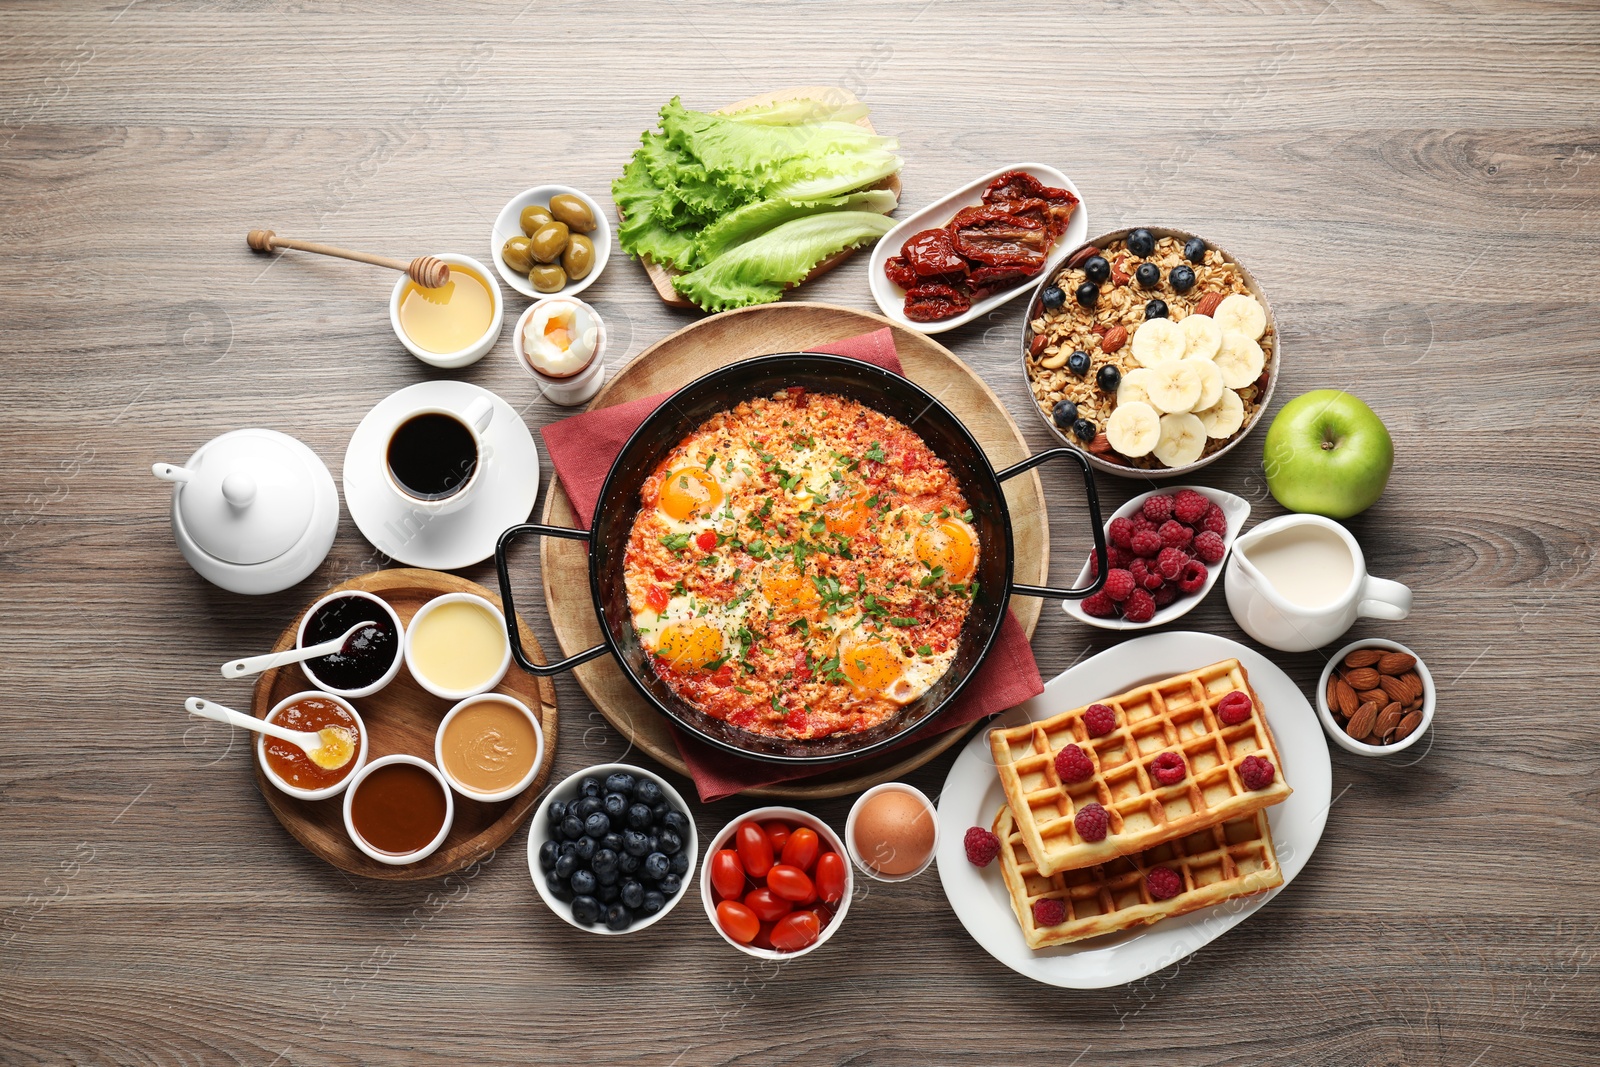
(1099, 720)
(1168, 768)
(1193, 578)
(982, 846)
(1099, 606)
(1049, 912)
(1175, 534)
(1139, 569)
(1234, 708)
(1072, 765)
(1140, 607)
(1093, 822)
(1120, 532)
(1189, 506)
(1164, 594)
(1117, 556)
(1210, 547)
(1215, 521)
(1164, 883)
(1142, 523)
(1094, 565)
(1152, 580)
(1119, 584)
(1170, 563)
(1146, 543)
(1158, 509)
(1256, 773)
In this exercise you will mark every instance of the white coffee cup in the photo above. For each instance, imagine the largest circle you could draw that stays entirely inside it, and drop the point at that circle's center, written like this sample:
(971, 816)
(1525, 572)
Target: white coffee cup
(1307, 584)
(430, 491)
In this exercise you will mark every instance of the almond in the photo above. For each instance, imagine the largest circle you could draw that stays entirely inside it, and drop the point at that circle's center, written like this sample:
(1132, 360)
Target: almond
(1396, 663)
(1099, 329)
(1333, 693)
(1119, 272)
(1036, 345)
(1114, 339)
(1377, 696)
(1408, 724)
(1081, 256)
(1362, 678)
(1100, 446)
(1414, 680)
(1208, 304)
(1363, 657)
(1388, 719)
(1362, 721)
(1347, 698)
(1396, 689)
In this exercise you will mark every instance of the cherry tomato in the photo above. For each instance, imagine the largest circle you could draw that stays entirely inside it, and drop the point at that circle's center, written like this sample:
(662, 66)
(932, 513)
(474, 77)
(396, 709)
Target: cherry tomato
(727, 874)
(755, 849)
(830, 877)
(707, 541)
(768, 906)
(823, 913)
(657, 598)
(801, 849)
(794, 932)
(738, 921)
(791, 883)
(763, 938)
(777, 833)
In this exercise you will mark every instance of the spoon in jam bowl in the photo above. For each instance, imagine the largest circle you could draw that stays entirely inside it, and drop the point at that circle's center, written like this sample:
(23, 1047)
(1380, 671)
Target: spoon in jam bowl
(329, 748)
(241, 668)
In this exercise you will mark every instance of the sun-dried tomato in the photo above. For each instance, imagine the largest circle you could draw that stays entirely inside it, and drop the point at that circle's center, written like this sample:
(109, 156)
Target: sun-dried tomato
(994, 237)
(933, 303)
(1015, 185)
(898, 268)
(931, 252)
(986, 281)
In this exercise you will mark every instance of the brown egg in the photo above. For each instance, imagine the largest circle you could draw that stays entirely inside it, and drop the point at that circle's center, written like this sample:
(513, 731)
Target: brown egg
(894, 832)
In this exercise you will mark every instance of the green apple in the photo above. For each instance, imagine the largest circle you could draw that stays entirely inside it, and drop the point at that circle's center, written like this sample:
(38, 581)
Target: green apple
(1327, 453)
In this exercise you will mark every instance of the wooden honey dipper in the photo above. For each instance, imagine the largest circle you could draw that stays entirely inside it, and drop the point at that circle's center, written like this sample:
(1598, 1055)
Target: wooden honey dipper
(430, 272)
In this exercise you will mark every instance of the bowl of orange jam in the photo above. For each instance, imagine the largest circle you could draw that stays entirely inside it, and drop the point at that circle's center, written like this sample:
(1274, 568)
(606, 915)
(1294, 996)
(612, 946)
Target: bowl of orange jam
(287, 766)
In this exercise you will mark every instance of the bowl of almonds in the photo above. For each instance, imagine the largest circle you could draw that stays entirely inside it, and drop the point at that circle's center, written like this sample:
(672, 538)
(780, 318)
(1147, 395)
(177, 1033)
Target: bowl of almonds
(1376, 697)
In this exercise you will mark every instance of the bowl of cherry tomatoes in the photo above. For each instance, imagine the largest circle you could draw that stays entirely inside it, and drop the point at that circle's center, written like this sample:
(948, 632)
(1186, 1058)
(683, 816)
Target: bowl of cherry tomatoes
(776, 883)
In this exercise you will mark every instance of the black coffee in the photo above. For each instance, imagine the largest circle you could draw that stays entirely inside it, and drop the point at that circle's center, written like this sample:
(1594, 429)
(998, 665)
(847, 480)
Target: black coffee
(432, 455)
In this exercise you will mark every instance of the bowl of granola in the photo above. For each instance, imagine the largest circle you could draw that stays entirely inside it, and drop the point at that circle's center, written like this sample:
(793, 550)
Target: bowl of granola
(1151, 351)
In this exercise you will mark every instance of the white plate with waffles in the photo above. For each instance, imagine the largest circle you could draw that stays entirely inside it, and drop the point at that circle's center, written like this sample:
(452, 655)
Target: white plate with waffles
(973, 795)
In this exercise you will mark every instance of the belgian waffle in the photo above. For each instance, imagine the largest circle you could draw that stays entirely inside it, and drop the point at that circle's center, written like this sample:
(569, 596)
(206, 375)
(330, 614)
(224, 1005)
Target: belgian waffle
(1223, 861)
(1178, 715)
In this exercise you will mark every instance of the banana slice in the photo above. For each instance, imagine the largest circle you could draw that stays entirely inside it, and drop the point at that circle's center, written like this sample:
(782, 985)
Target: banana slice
(1202, 337)
(1242, 313)
(1156, 341)
(1174, 386)
(1133, 429)
(1210, 383)
(1133, 389)
(1240, 360)
(1223, 418)
(1182, 439)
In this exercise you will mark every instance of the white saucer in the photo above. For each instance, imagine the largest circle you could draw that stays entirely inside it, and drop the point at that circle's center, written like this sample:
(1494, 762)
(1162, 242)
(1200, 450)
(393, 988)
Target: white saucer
(510, 484)
(972, 795)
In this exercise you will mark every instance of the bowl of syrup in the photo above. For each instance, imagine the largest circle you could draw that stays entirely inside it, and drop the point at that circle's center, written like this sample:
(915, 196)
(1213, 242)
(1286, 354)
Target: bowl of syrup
(398, 809)
(369, 660)
(454, 325)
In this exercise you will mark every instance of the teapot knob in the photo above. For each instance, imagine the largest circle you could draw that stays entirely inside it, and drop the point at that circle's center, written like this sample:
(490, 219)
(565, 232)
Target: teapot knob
(167, 472)
(239, 489)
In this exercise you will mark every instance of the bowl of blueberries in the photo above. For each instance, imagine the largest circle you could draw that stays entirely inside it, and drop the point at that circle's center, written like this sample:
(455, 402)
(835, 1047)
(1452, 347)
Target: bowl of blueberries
(612, 849)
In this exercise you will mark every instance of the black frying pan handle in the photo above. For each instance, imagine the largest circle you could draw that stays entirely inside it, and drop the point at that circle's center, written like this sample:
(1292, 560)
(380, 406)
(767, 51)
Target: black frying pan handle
(1094, 517)
(513, 632)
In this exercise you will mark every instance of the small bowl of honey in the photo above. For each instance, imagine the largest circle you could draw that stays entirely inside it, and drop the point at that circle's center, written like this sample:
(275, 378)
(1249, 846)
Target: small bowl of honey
(454, 325)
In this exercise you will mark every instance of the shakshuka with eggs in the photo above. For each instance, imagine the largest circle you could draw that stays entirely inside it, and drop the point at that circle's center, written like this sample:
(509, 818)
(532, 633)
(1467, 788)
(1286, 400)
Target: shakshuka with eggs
(801, 566)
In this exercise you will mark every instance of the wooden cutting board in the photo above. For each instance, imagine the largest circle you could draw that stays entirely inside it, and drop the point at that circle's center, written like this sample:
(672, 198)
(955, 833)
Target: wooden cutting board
(717, 341)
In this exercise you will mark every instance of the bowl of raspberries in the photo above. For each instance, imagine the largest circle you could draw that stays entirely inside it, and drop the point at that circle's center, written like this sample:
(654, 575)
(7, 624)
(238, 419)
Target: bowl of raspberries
(1165, 550)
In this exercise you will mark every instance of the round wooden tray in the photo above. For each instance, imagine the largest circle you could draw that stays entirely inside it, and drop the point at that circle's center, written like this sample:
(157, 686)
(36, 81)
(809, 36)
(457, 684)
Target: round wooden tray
(699, 349)
(402, 717)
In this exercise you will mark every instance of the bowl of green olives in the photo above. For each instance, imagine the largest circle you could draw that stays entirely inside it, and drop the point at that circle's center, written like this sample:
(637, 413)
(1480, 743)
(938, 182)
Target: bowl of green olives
(550, 239)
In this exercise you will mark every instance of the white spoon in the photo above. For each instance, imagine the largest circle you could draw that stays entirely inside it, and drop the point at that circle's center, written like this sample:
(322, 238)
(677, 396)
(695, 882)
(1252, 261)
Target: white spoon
(329, 748)
(241, 668)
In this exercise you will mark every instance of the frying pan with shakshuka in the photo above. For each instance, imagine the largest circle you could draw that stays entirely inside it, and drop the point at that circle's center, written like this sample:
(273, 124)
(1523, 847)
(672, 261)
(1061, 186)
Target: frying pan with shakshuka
(879, 389)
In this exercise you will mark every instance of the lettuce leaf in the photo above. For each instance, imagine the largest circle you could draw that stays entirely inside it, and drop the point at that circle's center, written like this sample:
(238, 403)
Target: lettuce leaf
(795, 112)
(758, 270)
(761, 215)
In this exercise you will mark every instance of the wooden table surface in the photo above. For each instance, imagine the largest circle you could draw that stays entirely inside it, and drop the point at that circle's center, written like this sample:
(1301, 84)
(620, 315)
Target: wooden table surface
(1415, 185)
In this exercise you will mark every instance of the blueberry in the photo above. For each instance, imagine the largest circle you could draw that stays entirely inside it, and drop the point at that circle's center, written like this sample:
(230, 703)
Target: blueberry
(1084, 430)
(1194, 250)
(1088, 294)
(653, 902)
(1148, 275)
(1065, 413)
(618, 917)
(570, 848)
(669, 842)
(657, 866)
(560, 888)
(671, 884)
(586, 910)
(1181, 279)
(609, 877)
(620, 782)
(597, 825)
(634, 843)
(549, 852)
(583, 882)
(1078, 363)
(565, 865)
(604, 860)
(1097, 269)
(677, 820)
(1109, 378)
(583, 848)
(609, 894)
(632, 894)
(679, 863)
(587, 807)
(558, 811)
(616, 806)
(589, 787)
(639, 817)
(1156, 309)
(1053, 296)
(655, 844)
(572, 828)
(658, 810)
(1141, 242)
(628, 863)
(613, 841)
(646, 791)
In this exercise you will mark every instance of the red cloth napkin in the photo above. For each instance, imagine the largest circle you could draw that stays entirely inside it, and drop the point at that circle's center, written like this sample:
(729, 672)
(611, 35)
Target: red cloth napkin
(583, 448)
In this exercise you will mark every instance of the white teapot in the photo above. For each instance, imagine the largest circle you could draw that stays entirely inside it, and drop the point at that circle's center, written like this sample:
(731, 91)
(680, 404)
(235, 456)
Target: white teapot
(253, 511)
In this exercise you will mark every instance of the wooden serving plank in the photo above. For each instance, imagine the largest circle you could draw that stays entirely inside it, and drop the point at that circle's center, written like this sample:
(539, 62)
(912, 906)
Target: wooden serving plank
(661, 276)
(717, 341)
(402, 717)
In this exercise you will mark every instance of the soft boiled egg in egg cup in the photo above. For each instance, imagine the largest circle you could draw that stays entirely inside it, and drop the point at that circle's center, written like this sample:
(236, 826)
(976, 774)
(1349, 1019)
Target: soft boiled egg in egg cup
(560, 341)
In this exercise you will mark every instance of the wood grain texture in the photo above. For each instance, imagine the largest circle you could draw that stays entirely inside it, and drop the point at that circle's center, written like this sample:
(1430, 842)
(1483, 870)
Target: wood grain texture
(1414, 184)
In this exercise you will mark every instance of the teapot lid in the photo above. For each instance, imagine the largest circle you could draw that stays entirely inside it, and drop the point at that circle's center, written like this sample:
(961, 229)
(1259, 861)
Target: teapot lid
(248, 498)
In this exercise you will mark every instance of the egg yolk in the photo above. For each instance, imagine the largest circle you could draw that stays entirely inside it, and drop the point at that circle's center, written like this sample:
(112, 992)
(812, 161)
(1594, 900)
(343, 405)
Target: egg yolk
(689, 645)
(788, 591)
(950, 544)
(689, 493)
(875, 669)
(558, 331)
(847, 518)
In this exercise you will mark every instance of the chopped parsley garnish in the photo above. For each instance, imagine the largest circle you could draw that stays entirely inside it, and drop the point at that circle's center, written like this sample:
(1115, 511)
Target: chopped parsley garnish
(901, 620)
(966, 516)
(676, 542)
(875, 453)
(924, 650)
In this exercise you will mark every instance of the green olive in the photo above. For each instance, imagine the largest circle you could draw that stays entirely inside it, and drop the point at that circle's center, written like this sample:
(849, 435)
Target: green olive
(517, 254)
(548, 242)
(572, 211)
(578, 259)
(547, 278)
(534, 216)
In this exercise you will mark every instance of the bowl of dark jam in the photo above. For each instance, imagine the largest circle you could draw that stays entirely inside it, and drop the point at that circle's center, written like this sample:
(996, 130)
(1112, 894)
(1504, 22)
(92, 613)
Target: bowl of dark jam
(370, 658)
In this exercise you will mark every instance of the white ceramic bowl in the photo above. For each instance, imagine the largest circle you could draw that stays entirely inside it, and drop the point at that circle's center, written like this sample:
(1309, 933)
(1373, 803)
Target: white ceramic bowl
(503, 794)
(473, 352)
(892, 299)
(432, 686)
(567, 790)
(388, 675)
(398, 859)
(509, 225)
(850, 832)
(801, 818)
(336, 788)
(1330, 725)
(1235, 509)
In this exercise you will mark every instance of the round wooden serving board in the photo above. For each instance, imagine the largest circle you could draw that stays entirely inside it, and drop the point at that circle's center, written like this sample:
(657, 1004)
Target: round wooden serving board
(402, 717)
(701, 348)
